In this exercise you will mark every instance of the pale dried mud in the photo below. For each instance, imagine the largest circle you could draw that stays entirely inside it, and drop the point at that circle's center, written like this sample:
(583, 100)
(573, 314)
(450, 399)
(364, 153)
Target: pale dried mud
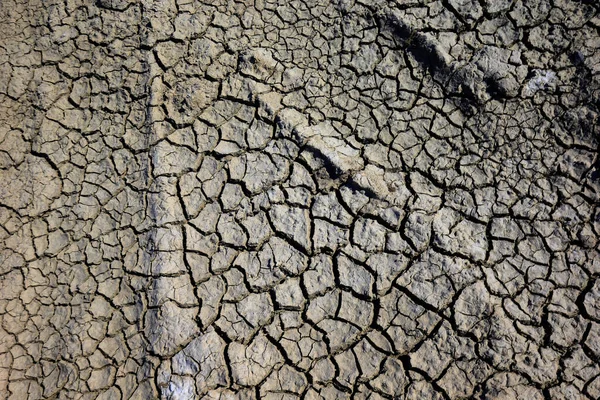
(299, 199)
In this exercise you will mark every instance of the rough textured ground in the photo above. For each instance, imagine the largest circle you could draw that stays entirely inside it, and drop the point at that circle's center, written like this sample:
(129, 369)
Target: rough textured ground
(299, 199)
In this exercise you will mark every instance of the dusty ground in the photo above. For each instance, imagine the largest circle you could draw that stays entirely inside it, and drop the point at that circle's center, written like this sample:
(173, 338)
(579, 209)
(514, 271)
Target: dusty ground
(299, 199)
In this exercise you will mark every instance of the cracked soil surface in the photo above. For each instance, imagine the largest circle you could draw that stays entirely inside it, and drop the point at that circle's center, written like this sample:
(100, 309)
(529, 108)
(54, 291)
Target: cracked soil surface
(299, 199)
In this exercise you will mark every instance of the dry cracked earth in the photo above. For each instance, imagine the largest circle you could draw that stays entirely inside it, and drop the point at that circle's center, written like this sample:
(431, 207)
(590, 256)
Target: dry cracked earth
(299, 199)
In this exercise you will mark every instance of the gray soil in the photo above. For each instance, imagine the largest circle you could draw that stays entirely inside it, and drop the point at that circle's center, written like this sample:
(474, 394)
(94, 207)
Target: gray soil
(299, 199)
